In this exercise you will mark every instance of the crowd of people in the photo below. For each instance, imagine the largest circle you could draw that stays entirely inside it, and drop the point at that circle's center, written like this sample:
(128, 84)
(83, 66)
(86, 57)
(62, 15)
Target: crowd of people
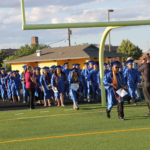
(54, 85)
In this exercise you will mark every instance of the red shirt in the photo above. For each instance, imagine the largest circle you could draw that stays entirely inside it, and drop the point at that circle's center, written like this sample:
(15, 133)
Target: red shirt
(29, 83)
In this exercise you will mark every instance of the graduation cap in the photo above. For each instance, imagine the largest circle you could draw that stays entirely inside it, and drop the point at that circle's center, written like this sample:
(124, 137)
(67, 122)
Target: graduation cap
(105, 64)
(73, 65)
(129, 58)
(77, 65)
(116, 63)
(129, 62)
(86, 63)
(91, 62)
(17, 71)
(95, 64)
(2, 69)
(14, 72)
(124, 62)
(62, 67)
(45, 68)
(65, 63)
(37, 68)
(53, 67)
(24, 67)
(58, 67)
(10, 72)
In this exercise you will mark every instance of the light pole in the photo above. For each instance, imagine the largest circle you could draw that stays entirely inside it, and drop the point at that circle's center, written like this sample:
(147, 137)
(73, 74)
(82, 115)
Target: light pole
(109, 11)
(69, 34)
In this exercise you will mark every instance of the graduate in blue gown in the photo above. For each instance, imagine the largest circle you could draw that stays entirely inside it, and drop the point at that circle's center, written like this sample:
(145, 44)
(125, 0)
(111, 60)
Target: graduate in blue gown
(38, 88)
(90, 95)
(67, 72)
(22, 78)
(74, 79)
(98, 78)
(9, 96)
(106, 70)
(132, 78)
(112, 82)
(85, 73)
(94, 82)
(109, 67)
(17, 74)
(45, 81)
(58, 85)
(15, 86)
(3, 84)
(123, 68)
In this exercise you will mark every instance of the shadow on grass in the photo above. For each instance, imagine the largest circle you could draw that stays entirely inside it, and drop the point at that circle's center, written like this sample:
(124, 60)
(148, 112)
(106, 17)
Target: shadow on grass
(91, 108)
(138, 118)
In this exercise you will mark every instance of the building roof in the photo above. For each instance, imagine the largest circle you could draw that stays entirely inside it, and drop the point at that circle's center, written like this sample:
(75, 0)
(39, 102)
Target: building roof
(64, 53)
(113, 48)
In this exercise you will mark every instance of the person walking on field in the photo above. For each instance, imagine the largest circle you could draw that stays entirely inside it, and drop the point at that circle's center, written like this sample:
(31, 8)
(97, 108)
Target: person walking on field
(112, 82)
(145, 68)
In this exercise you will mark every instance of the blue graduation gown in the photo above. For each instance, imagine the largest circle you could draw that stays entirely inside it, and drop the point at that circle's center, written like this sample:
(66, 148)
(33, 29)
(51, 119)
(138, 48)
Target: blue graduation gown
(88, 84)
(46, 90)
(94, 79)
(111, 99)
(38, 87)
(85, 73)
(9, 95)
(132, 78)
(15, 86)
(67, 72)
(23, 86)
(60, 85)
(3, 86)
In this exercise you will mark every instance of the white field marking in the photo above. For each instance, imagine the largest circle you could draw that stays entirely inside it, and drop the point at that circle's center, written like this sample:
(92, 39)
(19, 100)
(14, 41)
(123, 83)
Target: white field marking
(19, 114)
(44, 111)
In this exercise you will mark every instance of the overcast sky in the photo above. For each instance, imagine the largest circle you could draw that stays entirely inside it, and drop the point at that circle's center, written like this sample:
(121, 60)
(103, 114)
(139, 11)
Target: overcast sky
(60, 11)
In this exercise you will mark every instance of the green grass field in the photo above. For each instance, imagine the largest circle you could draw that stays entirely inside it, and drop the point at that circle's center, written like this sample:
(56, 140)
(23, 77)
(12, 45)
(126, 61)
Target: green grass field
(66, 129)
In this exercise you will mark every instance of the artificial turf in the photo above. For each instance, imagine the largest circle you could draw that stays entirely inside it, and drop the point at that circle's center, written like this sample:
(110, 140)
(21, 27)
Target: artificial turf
(91, 118)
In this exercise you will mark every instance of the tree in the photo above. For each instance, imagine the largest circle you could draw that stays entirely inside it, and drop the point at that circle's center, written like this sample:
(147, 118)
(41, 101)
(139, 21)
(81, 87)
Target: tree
(127, 47)
(3, 55)
(27, 49)
(24, 51)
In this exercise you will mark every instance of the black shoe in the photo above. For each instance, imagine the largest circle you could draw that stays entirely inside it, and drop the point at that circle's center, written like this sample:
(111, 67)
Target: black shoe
(32, 107)
(129, 102)
(108, 113)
